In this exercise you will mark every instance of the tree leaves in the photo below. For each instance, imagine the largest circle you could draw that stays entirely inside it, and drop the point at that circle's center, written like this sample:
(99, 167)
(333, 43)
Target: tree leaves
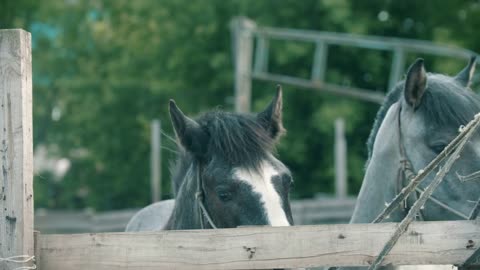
(104, 69)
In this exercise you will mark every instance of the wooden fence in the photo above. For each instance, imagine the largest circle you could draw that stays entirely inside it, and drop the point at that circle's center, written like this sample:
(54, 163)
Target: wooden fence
(242, 248)
(305, 212)
(259, 247)
(251, 49)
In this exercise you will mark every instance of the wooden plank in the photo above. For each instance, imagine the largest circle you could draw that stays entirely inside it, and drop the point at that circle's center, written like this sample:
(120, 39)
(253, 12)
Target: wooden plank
(261, 55)
(320, 61)
(311, 211)
(81, 222)
(63, 222)
(342, 216)
(36, 235)
(340, 150)
(308, 206)
(324, 202)
(16, 149)
(362, 41)
(397, 69)
(155, 161)
(243, 39)
(261, 247)
(352, 92)
(77, 222)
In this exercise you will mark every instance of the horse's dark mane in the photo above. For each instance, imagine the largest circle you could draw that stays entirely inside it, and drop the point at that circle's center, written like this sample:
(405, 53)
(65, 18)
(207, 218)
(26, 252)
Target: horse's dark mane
(179, 168)
(445, 102)
(237, 139)
(391, 98)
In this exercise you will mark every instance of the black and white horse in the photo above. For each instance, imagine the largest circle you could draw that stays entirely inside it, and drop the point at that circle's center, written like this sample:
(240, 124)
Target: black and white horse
(226, 174)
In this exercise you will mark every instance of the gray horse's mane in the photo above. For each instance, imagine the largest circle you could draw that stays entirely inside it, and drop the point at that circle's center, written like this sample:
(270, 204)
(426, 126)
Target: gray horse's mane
(444, 103)
(237, 139)
(391, 98)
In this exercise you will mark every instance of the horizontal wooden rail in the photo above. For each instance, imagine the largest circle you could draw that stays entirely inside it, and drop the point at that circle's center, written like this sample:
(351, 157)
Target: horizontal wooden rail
(447, 242)
(354, 92)
(247, 35)
(305, 212)
(363, 41)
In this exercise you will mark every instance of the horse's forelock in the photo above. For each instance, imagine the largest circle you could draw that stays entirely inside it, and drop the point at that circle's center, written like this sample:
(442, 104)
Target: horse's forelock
(447, 103)
(238, 139)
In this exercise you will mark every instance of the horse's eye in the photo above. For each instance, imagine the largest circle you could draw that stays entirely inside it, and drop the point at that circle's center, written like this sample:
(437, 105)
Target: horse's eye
(225, 196)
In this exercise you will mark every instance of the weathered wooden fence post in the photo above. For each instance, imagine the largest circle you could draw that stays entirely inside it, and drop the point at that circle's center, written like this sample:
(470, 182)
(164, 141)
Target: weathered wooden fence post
(16, 147)
(397, 69)
(340, 150)
(243, 52)
(156, 161)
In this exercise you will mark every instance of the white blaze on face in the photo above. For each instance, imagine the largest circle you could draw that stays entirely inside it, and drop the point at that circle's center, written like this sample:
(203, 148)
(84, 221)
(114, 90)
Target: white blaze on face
(261, 183)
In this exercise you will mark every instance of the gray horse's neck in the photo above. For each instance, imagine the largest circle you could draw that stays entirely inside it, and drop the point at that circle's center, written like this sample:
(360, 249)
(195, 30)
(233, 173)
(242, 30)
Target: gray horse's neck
(379, 186)
(379, 183)
(185, 215)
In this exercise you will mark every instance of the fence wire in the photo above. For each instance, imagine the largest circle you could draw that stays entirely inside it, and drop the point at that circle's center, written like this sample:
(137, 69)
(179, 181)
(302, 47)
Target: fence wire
(451, 153)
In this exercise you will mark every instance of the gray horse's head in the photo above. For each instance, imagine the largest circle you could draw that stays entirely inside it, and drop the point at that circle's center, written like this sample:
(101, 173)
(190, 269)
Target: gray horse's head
(432, 108)
(232, 154)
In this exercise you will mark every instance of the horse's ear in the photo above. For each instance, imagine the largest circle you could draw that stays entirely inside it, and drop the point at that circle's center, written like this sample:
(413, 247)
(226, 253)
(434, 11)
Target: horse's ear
(189, 133)
(415, 83)
(271, 117)
(465, 76)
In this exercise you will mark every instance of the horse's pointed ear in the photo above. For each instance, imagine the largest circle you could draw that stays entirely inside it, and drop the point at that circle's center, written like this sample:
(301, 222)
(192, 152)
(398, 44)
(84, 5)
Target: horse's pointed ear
(415, 83)
(189, 133)
(465, 76)
(271, 117)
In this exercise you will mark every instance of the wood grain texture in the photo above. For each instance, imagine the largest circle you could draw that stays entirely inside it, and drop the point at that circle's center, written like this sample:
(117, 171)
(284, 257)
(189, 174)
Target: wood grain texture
(261, 247)
(16, 157)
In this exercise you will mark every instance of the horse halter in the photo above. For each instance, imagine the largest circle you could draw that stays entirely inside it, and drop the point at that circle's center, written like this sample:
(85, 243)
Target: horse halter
(199, 197)
(406, 173)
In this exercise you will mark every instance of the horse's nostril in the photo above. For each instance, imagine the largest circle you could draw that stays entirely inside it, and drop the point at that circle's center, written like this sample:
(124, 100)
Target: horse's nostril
(470, 177)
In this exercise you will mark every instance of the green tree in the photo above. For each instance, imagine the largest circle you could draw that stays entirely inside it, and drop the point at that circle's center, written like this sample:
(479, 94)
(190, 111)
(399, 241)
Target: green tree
(104, 69)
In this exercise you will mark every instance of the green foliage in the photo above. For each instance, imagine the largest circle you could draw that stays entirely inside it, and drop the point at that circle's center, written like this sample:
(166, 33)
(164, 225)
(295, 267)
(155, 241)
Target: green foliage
(104, 69)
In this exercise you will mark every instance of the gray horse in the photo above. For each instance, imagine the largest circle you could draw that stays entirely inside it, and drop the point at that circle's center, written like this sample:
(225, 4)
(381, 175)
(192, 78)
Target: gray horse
(426, 110)
(226, 174)
(419, 117)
